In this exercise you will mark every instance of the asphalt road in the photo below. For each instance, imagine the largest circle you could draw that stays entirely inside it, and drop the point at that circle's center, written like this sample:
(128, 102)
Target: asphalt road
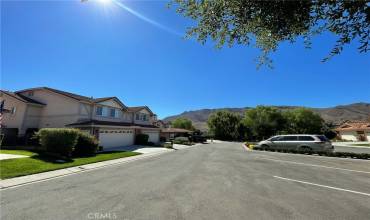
(214, 181)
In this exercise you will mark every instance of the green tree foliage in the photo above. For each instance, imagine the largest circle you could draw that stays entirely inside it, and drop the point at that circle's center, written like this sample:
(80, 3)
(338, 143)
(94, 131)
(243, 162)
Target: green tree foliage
(225, 125)
(263, 122)
(265, 24)
(183, 123)
(303, 121)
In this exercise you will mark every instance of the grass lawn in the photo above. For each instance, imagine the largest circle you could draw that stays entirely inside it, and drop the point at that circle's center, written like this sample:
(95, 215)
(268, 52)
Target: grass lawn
(41, 163)
(18, 152)
(361, 145)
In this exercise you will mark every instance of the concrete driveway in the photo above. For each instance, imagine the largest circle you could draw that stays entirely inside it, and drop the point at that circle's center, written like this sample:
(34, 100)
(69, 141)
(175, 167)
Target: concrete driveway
(140, 149)
(10, 156)
(213, 181)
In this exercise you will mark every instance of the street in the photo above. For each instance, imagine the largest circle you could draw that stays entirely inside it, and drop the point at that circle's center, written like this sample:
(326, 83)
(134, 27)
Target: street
(211, 181)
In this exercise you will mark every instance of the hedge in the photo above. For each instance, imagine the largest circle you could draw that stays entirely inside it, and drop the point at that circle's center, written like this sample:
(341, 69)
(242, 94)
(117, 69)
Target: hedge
(141, 139)
(182, 140)
(86, 145)
(365, 156)
(58, 140)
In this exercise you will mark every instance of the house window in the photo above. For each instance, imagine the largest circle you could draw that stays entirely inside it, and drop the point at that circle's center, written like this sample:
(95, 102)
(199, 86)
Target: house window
(13, 110)
(99, 110)
(137, 117)
(112, 112)
(30, 93)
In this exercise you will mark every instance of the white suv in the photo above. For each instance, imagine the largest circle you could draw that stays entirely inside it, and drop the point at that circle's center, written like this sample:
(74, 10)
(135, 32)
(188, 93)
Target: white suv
(299, 142)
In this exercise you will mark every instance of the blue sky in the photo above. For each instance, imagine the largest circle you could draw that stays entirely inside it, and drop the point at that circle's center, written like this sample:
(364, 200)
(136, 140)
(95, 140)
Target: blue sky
(98, 50)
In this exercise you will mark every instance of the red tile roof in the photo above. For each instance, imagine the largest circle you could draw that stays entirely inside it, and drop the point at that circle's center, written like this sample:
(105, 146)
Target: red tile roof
(175, 130)
(354, 126)
(110, 123)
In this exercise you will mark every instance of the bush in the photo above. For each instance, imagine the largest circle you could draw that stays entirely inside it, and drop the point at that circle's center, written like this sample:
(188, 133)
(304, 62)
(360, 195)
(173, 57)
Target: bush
(141, 139)
(162, 139)
(167, 145)
(59, 140)
(181, 140)
(86, 145)
(150, 143)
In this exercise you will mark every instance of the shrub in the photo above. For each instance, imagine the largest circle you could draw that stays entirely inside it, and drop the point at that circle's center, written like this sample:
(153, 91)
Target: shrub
(150, 143)
(167, 145)
(141, 139)
(162, 139)
(86, 145)
(58, 140)
(181, 140)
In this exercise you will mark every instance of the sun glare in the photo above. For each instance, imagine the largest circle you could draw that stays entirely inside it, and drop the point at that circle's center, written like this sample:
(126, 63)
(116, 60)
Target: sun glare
(105, 1)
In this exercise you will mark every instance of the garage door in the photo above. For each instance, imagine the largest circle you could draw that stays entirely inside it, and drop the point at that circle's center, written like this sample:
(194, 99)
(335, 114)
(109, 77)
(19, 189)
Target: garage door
(153, 136)
(116, 138)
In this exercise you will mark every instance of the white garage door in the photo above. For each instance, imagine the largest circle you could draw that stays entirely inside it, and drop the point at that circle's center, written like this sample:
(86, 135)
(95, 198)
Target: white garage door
(116, 138)
(153, 136)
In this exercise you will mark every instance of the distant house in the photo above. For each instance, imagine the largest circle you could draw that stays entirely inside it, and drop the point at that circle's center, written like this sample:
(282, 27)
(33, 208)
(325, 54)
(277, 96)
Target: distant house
(354, 131)
(108, 119)
(171, 133)
(162, 124)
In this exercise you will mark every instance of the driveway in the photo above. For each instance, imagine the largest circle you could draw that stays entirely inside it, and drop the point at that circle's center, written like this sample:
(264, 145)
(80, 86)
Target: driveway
(10, 156)
(140, 149)
(213, 181)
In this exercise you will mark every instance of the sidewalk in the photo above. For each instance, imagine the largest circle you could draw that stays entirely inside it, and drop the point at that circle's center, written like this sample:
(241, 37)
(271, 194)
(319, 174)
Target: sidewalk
(23, 180)
(351, 144)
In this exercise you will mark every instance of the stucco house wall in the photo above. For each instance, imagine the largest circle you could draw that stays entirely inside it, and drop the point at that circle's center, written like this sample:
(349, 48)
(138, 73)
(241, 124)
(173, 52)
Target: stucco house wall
(13, 120)
(59, 110)
(348, 135)
(143, 111)
(32, 116)
(123, 115)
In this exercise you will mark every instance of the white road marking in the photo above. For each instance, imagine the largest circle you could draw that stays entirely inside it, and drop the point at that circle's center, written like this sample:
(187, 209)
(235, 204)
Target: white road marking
(324, 186)
(314, 165)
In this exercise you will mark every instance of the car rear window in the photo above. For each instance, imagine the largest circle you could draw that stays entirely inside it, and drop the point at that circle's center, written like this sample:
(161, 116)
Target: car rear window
(306, 138)
(322, 138)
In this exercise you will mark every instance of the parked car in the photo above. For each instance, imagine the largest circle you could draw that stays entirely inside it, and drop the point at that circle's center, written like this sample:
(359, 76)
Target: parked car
(299, 142)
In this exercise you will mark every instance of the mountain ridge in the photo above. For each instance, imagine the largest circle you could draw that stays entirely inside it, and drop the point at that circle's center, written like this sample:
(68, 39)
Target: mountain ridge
(359, 111)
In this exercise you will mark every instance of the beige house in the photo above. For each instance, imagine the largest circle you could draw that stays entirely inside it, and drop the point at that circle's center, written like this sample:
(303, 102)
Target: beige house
(113, 123)
(354, 131)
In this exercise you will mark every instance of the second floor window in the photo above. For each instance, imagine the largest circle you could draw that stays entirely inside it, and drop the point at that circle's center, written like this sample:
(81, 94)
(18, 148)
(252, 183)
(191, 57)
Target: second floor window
(142, 117)
(99, 111)
(112, 112)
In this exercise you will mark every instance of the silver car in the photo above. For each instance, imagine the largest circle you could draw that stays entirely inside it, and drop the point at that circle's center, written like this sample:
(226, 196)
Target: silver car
(299, 142)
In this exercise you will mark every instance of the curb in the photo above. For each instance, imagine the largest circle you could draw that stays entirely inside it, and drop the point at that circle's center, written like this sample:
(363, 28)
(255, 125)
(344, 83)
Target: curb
(40, 177)
(362, 147)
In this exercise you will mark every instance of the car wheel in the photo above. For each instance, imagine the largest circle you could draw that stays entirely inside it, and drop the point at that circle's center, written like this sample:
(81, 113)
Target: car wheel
(265, 147)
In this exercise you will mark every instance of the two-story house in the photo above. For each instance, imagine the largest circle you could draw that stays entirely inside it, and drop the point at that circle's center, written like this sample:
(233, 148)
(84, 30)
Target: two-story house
(112, 122)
